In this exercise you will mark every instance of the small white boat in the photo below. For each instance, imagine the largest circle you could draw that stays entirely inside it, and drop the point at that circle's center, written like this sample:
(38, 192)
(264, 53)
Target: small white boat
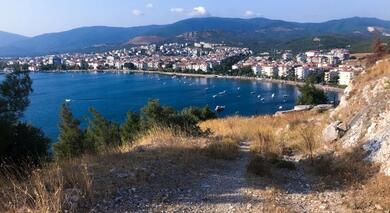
(252, 93)
(259, 96)
(262, 99)
(68, 100)
(164, 83)
(238, 88)
(223, 92)
(214, 96)
(220, 108)
(273, 95)
(280, 107)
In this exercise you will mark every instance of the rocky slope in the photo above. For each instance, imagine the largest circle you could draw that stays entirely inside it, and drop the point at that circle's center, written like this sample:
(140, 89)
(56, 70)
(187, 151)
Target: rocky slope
(364, 113)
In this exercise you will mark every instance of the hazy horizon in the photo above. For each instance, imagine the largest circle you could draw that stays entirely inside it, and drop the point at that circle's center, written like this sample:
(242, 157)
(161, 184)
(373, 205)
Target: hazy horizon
(31, 18)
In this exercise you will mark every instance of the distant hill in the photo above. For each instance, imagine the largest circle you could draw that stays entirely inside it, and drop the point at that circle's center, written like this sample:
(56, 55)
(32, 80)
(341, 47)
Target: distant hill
(258, 33)
(8, 38)
(145, 40)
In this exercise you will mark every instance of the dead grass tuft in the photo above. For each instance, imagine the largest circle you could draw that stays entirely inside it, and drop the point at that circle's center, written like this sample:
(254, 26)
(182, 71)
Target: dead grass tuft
(53, 189)
(223, 149)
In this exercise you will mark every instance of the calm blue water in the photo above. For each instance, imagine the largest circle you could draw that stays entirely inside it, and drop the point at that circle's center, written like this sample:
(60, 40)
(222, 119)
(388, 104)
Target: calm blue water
(114, 94)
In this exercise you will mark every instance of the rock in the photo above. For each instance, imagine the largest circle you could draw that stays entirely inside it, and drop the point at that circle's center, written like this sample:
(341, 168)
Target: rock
(205, 186)
(117, 200)
(302, 107)
(330, 133)
(322, 107)
(323, 207)
(378, 207)
(249, 206)
(122, 175)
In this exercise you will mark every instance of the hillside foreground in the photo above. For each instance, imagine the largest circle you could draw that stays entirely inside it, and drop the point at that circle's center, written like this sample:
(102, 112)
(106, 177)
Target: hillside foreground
(314, 161)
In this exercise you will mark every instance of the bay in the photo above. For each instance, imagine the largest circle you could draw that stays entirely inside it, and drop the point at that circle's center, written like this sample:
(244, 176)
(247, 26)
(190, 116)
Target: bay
(114, 94)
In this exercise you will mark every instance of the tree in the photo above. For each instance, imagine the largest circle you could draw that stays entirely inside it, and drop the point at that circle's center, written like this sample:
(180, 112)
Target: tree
(130, 128)
(14, 92)
(310, 95)
(19, 142)
(200, 114)
(71, 139)
(153, 114)
(130, 66)
(101, 132)
(379, 50)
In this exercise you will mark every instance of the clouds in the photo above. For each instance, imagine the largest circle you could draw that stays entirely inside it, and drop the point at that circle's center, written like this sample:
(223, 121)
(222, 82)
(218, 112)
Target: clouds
(136, 12)
(177, 10)
(249, 13)
(149, 5)
(199, 11)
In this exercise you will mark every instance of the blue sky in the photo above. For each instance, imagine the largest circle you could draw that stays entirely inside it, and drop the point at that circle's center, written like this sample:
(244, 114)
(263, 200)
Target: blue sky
(32, 17)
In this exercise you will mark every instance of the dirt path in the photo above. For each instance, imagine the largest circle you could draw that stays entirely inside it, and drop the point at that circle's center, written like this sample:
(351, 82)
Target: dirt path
(228, 188)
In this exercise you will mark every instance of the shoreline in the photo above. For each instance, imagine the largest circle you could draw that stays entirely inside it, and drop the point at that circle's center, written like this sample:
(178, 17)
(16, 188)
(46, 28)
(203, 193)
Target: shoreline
(276, 81)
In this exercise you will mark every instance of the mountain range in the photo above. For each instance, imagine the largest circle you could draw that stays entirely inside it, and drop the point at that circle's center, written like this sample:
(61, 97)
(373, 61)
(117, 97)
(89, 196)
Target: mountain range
(260, 34)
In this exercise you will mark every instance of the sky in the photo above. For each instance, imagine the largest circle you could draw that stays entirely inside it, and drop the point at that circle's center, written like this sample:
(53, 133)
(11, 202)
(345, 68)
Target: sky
(34, 17)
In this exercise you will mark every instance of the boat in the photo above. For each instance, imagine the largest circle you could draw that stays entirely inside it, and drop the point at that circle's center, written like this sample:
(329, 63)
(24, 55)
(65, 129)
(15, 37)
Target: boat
(220, 108)
(273, 95)
(262, 99)
(214, 96)
(68, 100)
(223, 92)
(238, 88)
(252, 93)
(280, 107)
(259, 96)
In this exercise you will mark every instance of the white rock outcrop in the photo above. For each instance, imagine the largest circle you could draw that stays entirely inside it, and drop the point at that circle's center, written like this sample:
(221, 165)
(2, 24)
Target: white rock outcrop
(367, 111)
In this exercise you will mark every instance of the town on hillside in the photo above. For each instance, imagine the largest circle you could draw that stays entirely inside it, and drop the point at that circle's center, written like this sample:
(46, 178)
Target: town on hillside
(329, 67)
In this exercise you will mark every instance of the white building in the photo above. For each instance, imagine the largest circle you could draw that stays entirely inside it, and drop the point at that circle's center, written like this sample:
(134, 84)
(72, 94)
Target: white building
(345, 77)
(312, 53)
(287, 56)
(283, 70)
(256, 69)
(302, 73)
(270, 71)
(328, 76)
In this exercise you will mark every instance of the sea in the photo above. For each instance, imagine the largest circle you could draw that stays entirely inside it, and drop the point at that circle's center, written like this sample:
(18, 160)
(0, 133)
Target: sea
(113, 94)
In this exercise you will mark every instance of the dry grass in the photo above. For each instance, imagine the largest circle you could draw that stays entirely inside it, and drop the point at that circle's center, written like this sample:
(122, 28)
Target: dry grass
(348, 168)
(380, 69)
(55, 188)
(270, 134)
(222, 149)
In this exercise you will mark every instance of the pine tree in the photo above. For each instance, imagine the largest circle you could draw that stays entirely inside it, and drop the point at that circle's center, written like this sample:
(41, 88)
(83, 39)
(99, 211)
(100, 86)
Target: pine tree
(131, 128)
(70, 140)
(101, 132)
(19, 142)
(310, 95)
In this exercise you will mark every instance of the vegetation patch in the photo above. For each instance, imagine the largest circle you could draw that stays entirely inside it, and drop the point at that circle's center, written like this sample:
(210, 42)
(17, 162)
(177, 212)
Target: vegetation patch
(224, 149)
